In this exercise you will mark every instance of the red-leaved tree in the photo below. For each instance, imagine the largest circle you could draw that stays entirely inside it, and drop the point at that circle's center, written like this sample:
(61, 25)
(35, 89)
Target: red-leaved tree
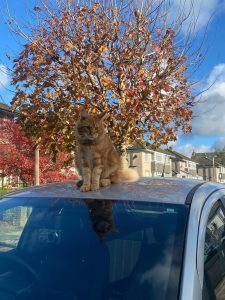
(17, 157)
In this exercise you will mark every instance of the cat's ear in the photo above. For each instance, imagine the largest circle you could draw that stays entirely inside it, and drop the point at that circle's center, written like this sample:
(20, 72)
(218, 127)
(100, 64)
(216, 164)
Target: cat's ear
(83, 114)
(103, 116)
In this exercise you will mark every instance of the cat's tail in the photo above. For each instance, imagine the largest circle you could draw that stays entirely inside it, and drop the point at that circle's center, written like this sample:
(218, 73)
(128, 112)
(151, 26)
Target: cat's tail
(124, 175)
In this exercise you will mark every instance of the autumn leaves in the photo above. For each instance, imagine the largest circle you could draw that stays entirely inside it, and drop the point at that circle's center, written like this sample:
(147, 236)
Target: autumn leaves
(102, 58)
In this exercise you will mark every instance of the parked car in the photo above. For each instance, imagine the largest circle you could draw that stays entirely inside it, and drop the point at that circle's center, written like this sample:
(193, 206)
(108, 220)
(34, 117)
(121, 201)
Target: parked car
(155, 239)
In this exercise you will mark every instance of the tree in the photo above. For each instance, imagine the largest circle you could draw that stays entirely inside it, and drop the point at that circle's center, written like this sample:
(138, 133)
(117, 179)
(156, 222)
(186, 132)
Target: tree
(15, 152)
(17, 157)
(126, 60)
(219, 155)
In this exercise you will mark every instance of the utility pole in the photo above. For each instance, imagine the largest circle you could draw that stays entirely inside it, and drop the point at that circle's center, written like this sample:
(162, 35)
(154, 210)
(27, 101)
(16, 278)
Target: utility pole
(213, 159)
(213, 166)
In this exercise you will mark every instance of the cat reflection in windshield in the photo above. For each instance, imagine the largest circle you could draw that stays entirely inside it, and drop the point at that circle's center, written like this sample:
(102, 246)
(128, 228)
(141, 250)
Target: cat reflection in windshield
(101, 217)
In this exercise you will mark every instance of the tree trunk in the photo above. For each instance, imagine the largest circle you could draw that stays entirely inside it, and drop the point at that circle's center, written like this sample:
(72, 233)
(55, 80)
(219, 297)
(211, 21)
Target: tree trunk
(36, 165)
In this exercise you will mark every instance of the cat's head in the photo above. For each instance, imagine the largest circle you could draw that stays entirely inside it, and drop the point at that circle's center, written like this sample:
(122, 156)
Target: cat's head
(90, 126)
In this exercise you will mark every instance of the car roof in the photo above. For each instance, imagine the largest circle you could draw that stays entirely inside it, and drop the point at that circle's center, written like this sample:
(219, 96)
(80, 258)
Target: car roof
(163, 190)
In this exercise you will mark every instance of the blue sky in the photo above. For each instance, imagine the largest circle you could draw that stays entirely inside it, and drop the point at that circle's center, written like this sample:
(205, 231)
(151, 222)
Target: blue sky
(209, 118)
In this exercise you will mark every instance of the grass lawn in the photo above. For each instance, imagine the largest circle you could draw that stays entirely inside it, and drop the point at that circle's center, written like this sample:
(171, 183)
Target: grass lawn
(2, 192)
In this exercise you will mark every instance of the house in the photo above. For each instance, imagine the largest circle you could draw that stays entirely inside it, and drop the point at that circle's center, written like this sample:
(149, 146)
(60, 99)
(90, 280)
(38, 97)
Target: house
(6, 112)
(183, 166)
(208, 167)
(149, 162)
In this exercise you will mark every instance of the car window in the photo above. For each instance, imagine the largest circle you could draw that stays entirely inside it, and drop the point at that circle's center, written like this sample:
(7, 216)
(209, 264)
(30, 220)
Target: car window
(214, 255)
(93, 250)
(12, 222)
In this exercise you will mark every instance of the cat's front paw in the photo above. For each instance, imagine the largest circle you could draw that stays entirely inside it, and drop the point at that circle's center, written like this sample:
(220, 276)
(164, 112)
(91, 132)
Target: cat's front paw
(105, 182)
(94, 187)
(85, 188)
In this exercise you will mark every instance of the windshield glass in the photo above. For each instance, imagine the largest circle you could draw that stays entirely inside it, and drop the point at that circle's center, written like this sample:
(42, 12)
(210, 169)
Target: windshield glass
(66, 249)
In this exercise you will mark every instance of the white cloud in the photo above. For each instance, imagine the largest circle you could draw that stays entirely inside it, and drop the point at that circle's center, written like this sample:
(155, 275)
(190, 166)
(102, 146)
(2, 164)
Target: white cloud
(217, 75)
(188, 149)
(209, 121)
(4, 77)
(196, 14)
(210, 114)
(199, 12)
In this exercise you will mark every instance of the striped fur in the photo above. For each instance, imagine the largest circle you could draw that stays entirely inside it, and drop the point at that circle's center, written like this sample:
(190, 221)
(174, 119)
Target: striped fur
(97, 159)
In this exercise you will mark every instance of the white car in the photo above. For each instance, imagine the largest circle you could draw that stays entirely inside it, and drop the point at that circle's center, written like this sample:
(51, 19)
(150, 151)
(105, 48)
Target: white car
(155, 239)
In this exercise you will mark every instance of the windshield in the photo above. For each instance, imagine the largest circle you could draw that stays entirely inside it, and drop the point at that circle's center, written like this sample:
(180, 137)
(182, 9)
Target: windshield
(66, 249)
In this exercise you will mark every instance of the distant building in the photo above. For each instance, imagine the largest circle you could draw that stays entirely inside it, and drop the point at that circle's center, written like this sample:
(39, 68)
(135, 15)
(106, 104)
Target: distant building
(208, 167)
(149, 162)
(6, 111)
(183, 166)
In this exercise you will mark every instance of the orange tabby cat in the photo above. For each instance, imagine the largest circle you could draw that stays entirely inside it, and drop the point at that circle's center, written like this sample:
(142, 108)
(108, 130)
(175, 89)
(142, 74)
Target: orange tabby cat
(97, 159)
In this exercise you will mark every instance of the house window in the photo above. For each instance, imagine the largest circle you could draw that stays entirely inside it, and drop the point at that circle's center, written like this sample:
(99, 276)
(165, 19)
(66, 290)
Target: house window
(158, 174)
(159, 157)
(191, 165)
(167, 160)
(133, 156)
